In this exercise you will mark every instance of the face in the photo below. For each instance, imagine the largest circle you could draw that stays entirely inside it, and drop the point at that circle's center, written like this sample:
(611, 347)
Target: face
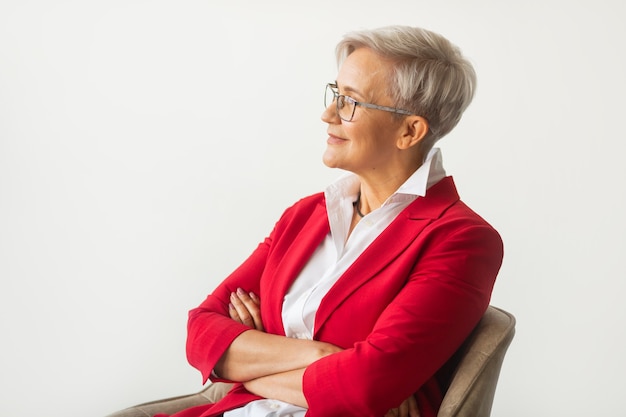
(367, 144)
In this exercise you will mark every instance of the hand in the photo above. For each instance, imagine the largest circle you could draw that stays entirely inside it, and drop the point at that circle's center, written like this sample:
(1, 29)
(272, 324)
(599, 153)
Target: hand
(245, 308)
(257, 354)
(408, 408)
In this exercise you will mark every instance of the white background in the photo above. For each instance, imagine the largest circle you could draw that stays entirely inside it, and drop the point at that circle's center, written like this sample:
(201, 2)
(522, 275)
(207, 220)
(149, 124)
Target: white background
(146, 147)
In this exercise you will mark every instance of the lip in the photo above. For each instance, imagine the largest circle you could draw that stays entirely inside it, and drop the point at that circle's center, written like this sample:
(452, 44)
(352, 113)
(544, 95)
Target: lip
(334, 140)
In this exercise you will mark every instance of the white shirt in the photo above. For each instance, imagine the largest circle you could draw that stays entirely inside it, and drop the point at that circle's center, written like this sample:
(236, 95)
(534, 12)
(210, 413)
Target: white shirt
(331, 259)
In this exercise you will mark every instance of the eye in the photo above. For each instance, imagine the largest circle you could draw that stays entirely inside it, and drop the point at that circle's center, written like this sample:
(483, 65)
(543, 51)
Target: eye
(349, 100)
(341, 102)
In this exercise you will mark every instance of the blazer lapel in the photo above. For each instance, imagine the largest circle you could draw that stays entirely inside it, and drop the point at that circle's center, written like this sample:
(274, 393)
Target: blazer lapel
(307, 240)
(392, 241)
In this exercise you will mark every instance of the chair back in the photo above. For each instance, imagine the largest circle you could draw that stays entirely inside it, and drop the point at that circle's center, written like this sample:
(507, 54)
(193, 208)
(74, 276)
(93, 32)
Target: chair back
(473, 384)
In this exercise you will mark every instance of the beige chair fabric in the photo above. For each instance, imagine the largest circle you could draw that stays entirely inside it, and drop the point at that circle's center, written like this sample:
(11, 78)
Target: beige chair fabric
(470, 393)
(208, 395)
(474, 381)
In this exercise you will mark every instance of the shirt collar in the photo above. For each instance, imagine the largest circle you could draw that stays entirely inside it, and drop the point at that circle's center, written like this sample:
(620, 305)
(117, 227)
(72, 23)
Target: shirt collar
(428, 174)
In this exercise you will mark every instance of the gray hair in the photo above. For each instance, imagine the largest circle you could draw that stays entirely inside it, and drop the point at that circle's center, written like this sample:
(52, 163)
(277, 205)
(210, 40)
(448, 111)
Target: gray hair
(431, 77)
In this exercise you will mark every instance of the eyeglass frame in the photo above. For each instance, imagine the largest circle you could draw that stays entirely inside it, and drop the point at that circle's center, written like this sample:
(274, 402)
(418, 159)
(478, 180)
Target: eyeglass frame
(333, 87)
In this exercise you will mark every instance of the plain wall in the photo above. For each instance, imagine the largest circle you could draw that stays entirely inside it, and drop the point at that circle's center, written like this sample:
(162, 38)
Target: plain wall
(146, 147)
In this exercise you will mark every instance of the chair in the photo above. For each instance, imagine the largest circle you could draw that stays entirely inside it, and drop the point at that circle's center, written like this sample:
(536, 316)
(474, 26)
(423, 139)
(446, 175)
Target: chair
(470, 393)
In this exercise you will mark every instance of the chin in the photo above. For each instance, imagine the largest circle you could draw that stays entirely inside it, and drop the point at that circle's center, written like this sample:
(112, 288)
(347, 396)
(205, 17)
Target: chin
(329, 161)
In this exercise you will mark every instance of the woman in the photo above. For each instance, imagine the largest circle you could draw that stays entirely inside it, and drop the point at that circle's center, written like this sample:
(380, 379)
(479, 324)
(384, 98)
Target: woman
(360, 295)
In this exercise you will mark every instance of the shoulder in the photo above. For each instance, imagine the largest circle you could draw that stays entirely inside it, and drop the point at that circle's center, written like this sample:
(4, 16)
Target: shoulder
(442, 202)
(303, 209)
(460, 222)
(448, 215)
(306, 204)
(310, 201)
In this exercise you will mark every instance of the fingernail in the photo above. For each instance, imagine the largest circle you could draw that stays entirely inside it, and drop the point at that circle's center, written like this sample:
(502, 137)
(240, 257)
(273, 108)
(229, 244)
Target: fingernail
(231, 306)
(240, 291)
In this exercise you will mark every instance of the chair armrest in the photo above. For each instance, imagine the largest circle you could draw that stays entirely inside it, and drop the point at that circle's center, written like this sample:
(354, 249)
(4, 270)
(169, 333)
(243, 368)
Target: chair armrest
(210, 394)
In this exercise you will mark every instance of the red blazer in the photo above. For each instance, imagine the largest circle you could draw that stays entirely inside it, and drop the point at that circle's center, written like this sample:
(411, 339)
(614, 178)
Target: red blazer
(400, 311)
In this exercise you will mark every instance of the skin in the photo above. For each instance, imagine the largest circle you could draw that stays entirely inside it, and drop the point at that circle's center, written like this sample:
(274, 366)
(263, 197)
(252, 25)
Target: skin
(382, 150)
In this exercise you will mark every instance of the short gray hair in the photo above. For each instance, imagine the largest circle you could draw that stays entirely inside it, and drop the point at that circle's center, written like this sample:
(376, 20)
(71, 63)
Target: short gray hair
(431, 77)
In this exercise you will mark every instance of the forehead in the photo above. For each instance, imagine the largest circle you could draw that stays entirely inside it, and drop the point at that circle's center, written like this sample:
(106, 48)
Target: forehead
(363, 72)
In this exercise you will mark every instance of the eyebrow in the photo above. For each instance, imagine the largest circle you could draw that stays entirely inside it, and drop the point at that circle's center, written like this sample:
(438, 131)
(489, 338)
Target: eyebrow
(349, 89)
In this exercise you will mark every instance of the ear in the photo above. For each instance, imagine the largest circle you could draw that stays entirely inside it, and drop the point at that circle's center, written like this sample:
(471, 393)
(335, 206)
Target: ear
(414, 129)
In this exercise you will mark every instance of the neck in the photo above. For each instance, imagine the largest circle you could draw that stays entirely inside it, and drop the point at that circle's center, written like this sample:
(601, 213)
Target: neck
(379, 183)
(375, 190)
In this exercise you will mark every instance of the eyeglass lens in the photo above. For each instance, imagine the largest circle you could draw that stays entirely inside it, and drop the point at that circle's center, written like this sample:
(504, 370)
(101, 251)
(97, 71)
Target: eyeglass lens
(345, 108)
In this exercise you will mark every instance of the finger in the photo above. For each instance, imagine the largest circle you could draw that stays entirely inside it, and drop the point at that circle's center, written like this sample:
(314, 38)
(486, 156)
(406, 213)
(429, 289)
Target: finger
(241, 310)
(232, 311)
(251, 302)
(403, 410)
(258, 322)
(255, 298)
(413, 409)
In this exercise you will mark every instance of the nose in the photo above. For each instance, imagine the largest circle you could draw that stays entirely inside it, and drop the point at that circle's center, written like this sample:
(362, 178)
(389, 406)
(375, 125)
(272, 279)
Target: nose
(329, 115)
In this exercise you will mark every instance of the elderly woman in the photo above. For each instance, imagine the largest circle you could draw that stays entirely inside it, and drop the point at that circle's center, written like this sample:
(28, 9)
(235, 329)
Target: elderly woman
(360, 296)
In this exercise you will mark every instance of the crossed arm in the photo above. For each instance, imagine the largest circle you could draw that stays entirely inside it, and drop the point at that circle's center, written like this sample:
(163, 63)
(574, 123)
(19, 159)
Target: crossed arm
(273, 366)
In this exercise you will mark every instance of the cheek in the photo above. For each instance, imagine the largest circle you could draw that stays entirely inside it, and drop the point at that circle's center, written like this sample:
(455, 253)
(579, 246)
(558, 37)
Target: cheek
(360, 133)
(368, 139)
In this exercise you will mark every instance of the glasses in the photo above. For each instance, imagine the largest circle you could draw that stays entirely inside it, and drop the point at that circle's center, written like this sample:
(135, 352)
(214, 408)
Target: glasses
(346, 105)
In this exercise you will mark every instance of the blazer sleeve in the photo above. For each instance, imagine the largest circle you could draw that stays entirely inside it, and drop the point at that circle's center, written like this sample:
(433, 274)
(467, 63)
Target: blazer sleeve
(210, 330)
(446, 294)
